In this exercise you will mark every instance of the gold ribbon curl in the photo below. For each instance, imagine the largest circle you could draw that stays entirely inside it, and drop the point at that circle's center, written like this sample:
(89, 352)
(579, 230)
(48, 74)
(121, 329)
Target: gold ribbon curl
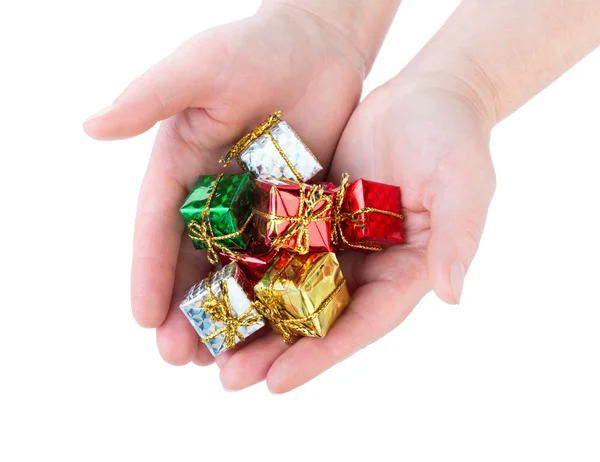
(202, 231)
(310, 198)
(281, 320)
(220, 311)
(263, 128)
(338, 217)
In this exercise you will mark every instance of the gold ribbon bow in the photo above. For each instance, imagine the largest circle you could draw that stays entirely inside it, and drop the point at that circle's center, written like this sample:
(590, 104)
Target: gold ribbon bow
(201, 230)
(271, 307)
(263, 128)
(310, 198)
(220, 311)
(338, 217)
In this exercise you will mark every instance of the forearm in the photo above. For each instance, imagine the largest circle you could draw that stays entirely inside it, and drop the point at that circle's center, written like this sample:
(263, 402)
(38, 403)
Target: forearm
(362, 23)
(508, 50)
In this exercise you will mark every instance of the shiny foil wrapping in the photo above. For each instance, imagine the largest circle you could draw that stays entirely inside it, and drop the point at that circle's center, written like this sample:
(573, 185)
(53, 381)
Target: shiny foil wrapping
(284, 201)
(238, 288)
(301, 285)
(254, 263)
(230, 207)
(372, 228)
(264, 162)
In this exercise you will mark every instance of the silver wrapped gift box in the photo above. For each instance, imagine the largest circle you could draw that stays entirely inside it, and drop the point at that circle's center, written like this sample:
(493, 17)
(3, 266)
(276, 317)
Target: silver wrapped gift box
(195, 306)
(269, 150)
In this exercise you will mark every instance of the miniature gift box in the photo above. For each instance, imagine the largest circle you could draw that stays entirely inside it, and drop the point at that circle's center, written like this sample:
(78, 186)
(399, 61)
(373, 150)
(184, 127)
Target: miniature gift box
(253, 262)
(302, 295)
(368, 215)
(273, 152)
(220, 310)
(295, 217)
(218, 211)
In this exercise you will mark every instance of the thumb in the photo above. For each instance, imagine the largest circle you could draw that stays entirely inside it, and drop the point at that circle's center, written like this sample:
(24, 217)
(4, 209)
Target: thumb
(181, 80)
(458, 215)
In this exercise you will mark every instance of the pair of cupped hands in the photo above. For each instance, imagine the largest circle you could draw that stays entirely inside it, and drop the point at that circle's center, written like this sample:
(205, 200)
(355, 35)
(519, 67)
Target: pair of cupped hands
(427, 134)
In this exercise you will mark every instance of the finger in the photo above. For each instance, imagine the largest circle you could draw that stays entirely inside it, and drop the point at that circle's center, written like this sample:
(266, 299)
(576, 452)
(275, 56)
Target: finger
(157, 237)
(224, 357)
(176, 338)
(250, 364)
(185, 78)
(458, 214)
(202, 356)
(394, 284)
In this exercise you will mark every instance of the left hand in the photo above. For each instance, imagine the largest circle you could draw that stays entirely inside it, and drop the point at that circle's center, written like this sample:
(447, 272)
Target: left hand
(210, 92)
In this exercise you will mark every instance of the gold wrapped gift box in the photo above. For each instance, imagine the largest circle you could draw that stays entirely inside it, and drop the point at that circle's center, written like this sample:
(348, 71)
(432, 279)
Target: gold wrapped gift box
(302, 295)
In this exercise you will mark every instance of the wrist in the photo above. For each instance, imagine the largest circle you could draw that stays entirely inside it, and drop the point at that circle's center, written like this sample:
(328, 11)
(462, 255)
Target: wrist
(356, 27)
(510, 52)
(464, 77)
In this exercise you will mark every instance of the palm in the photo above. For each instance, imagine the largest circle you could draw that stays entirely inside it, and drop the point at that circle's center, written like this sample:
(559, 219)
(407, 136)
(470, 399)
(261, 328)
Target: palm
(431, 142)
(427, 140)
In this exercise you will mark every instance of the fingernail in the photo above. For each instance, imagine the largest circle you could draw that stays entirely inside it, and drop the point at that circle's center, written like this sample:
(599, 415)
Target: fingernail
(457, 279)
(99, 113)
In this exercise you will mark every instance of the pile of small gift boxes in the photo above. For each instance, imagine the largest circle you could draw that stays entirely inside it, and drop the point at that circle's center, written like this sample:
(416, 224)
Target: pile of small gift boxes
(272, 233)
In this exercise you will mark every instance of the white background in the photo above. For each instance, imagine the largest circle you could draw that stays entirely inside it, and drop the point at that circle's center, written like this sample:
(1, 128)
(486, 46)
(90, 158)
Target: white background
(511, 374)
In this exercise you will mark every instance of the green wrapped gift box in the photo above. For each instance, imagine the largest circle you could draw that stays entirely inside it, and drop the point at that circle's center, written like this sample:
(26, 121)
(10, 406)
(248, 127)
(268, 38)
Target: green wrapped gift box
(219, 209)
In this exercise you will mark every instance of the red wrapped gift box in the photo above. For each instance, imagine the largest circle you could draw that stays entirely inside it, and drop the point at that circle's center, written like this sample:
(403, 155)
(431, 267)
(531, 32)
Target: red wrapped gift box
(294, 217)
(254, 263)
(371, 216)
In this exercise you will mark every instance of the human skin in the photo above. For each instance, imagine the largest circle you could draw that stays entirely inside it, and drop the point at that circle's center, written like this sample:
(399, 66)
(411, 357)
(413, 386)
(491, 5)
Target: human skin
(426, 130)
